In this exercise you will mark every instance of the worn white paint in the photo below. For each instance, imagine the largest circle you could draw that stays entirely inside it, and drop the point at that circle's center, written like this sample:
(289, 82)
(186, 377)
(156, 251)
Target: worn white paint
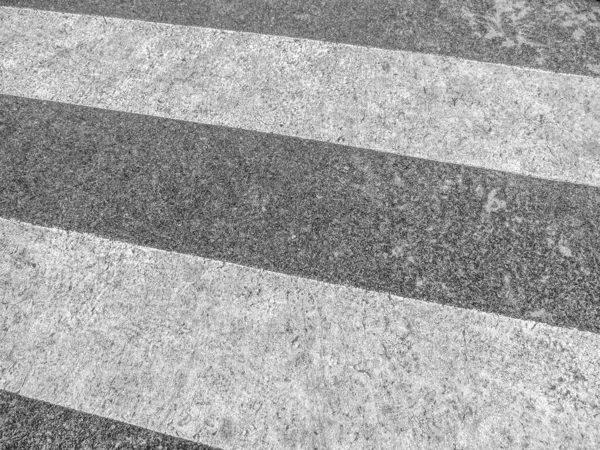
(486, 115)
(242, 358)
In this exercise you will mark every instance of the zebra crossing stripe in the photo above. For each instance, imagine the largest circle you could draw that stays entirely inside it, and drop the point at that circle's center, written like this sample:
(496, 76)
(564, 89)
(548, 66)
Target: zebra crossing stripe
(243, 358)
(493, 116)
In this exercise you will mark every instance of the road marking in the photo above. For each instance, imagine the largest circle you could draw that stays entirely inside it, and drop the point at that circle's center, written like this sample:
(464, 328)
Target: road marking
(244, 357)
(494, 116)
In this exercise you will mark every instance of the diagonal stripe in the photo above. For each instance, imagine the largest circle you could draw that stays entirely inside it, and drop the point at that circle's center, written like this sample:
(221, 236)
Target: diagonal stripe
(536, 239)
(485, 115)
(557, 36)
(163, 340)
(27, 423)
(468, 237)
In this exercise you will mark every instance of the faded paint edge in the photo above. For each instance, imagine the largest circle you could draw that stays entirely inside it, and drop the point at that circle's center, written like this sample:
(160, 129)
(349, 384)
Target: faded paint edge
(494, 116)
(237, 357)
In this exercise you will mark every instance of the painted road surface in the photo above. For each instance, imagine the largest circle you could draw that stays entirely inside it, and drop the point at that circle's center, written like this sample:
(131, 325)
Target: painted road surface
(252, 225)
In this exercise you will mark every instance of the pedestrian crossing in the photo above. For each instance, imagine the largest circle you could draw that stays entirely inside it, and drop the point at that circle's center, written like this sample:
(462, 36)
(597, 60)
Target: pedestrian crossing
(513, 119)
(249, 233)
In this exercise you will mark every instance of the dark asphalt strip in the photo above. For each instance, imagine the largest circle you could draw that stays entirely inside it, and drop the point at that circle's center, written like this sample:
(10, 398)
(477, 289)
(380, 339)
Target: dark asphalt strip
(27, 424)
(462, 236)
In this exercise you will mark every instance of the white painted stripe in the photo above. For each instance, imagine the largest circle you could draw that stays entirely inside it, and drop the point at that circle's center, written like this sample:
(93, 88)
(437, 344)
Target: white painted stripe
(243, 358)
(487, 115)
